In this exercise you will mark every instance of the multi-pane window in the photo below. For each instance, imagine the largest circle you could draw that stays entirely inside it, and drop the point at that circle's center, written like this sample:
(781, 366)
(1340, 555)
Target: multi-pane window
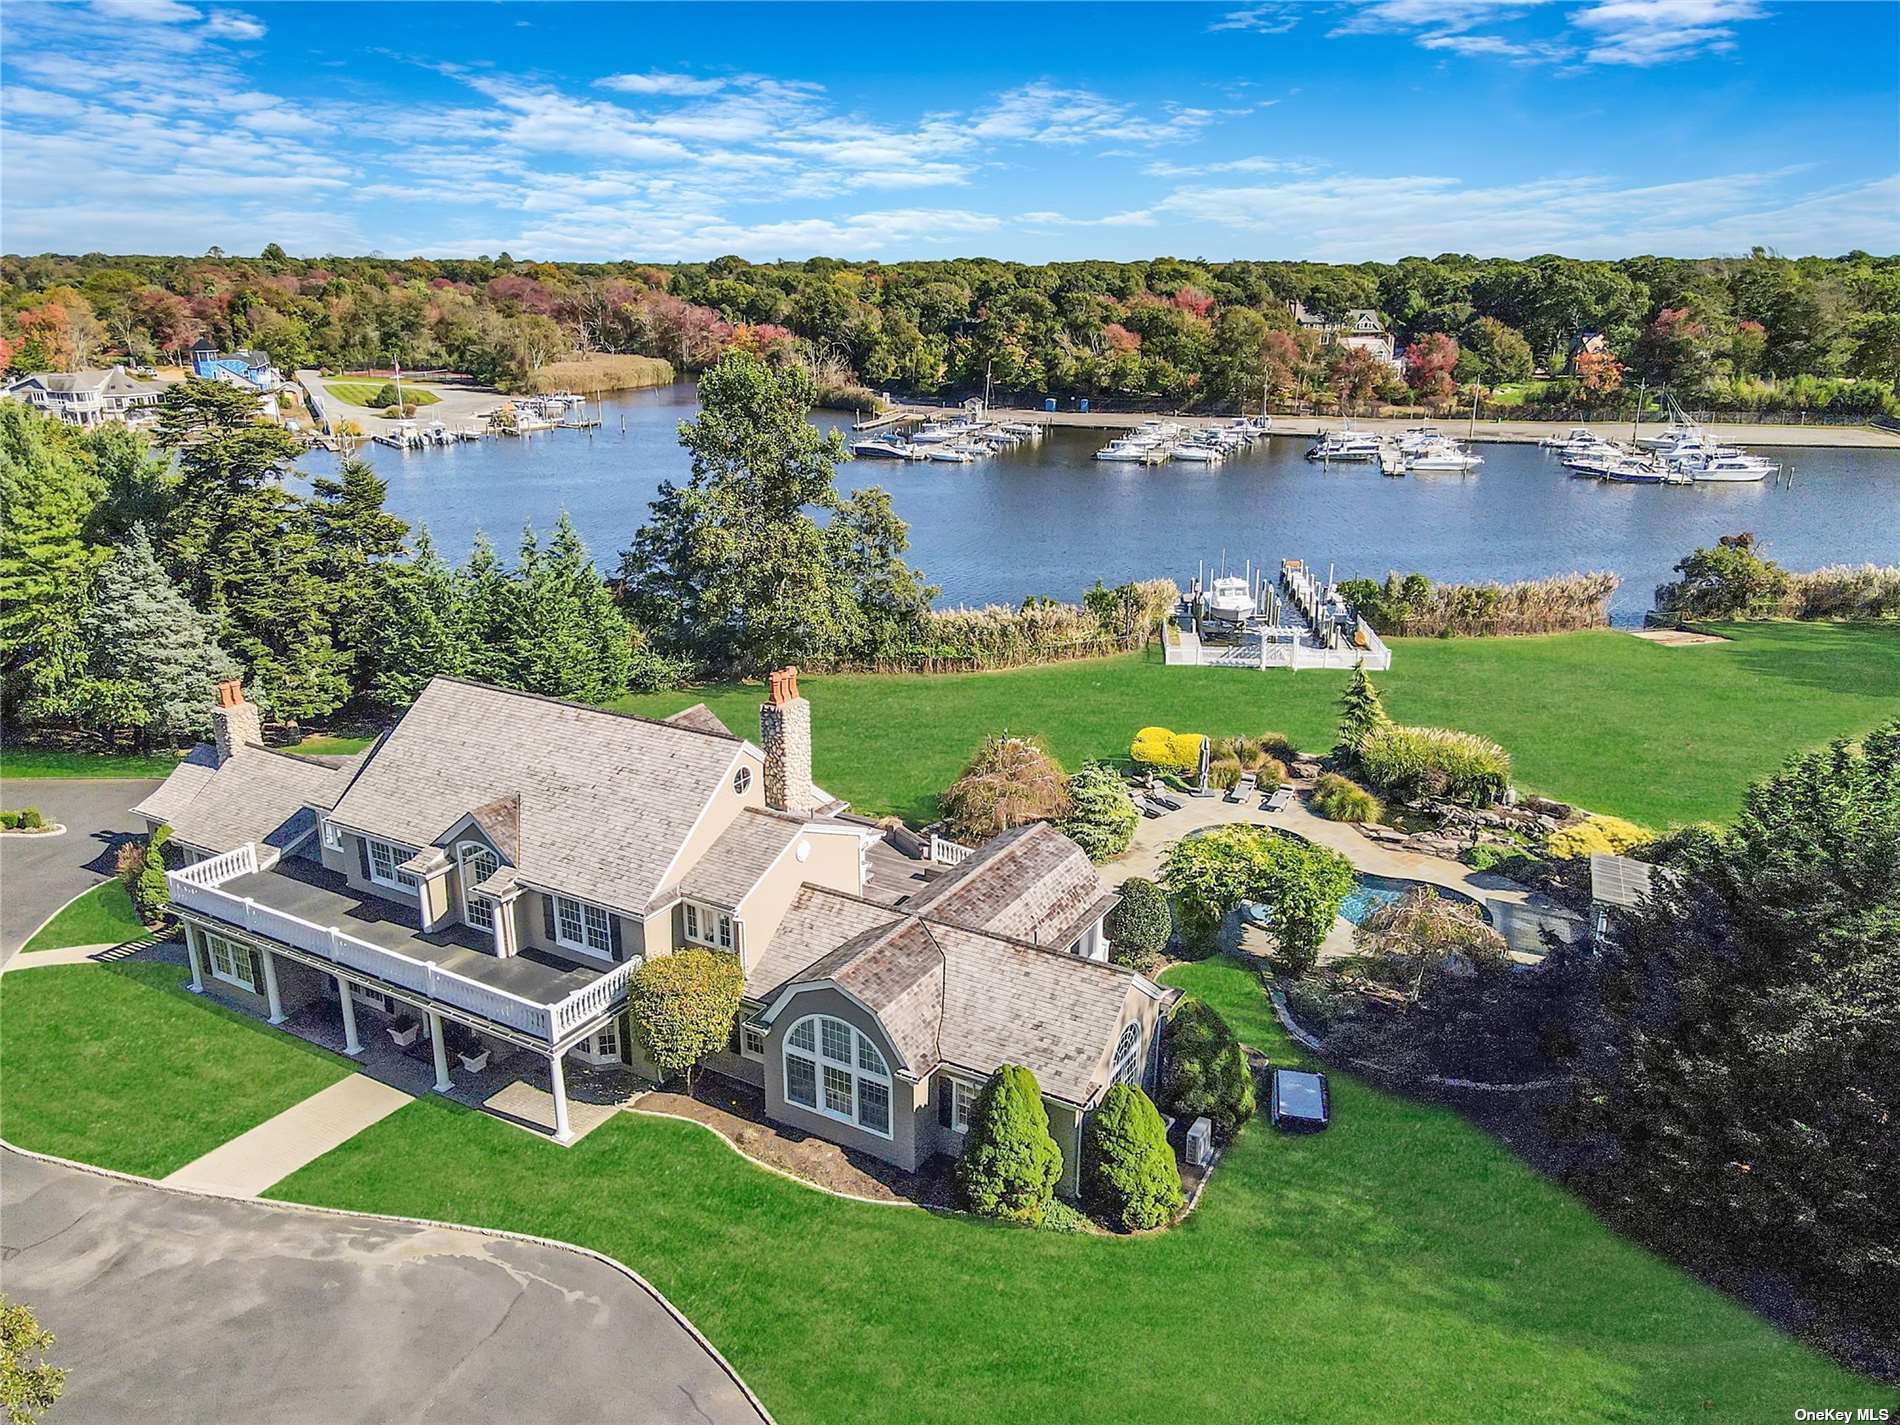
(478, 864)
(1127, 1056)
(833, 1069)
(962, 1103)
(708, 926)
(383, 861)
(607, 1043)
(230, 962)
(580, 926)
(751, 1042)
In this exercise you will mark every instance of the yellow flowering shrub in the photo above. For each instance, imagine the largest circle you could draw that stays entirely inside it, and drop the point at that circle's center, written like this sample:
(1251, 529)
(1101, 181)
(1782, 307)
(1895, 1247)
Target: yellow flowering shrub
(1597, 835)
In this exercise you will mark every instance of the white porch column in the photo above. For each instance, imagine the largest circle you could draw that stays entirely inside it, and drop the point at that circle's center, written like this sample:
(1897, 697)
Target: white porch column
(195, 952)
(562, 1133)
(277, 1015)
(351, 1045)
(443, 1083)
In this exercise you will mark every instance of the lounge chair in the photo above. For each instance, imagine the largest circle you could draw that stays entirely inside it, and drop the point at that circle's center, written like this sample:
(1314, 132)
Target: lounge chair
(1167, 803)
(1279, 800)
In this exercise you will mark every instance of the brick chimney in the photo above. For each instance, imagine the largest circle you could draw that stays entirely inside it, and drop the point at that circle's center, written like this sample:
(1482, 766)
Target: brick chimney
(785, 730)
(234, 722)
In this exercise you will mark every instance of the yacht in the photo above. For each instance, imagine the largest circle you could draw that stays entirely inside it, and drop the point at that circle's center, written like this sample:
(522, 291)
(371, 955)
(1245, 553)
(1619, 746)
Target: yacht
(1577, 435)
(1448, 456)
(886, 447)
(1345, 445)
(1728, 468)
(1199, 452)
(952, 454)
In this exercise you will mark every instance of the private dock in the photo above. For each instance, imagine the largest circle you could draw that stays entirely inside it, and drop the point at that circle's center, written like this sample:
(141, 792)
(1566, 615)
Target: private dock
(1246, 621)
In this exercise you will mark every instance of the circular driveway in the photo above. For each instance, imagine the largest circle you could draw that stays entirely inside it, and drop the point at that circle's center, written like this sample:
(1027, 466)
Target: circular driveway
(168, 1306)
(39, 874)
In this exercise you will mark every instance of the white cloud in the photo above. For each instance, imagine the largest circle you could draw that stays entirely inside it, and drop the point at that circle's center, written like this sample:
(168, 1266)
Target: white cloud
(1441, 16)
(1045, 113)
(1648, 32)
(1267, 19)
(1232, 165)
(669, 84)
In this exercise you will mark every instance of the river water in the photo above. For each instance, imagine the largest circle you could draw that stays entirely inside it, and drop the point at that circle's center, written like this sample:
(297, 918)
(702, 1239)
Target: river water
(1049, 519)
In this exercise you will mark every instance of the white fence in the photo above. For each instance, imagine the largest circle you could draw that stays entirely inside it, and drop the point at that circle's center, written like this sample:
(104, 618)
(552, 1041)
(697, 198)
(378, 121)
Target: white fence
(948, 853)
(195, 887)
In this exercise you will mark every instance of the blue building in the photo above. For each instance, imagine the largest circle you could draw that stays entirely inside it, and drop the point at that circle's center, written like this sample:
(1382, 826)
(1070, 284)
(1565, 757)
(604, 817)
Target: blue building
(238, 368)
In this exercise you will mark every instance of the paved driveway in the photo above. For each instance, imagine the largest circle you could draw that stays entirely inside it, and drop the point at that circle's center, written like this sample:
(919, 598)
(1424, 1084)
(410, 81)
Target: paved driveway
(40, 874)
(169, 1307)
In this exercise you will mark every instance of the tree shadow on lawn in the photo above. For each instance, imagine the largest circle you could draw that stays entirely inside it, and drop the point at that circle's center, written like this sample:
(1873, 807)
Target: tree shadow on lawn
(1853, 659)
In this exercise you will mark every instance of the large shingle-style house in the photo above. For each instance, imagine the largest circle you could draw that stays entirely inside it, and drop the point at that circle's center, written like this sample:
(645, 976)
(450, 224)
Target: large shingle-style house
(86, 398)
(1362, 328)
(501, 863)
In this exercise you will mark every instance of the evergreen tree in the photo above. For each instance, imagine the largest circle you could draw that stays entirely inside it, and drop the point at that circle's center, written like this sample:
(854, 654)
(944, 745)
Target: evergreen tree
(488, 603)
(355, 538)
(1128, 1175)
(47, 493)
(1010, 1163)
(1360, 710)
(1208, 1075)
(1102, 816)
(135, 481)
(150, 892)
(153, 664)
(414, 631)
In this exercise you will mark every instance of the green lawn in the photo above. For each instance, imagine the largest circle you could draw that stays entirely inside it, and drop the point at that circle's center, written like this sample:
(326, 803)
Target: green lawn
(1659, 735)
(100, 916)
(1402, 1262)
(320, 744)
(121, 1066)
(27, 763)
(361, 393)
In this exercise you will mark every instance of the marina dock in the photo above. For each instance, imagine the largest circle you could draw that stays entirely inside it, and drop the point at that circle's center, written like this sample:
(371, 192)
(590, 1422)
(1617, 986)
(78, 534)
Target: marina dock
(1247, 621)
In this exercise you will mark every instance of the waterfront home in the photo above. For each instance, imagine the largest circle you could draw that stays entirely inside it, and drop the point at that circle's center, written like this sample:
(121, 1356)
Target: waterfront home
(87, 398)
(1362, 328)
(497, 865)
(249, 369)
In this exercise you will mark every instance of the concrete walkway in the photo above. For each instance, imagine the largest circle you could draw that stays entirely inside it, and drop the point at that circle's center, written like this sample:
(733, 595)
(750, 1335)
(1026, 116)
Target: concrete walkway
(1518, 910)
(279, 1146)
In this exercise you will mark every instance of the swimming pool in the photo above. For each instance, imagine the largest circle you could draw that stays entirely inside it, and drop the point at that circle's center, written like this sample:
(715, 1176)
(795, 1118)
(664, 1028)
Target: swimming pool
(1370, 894)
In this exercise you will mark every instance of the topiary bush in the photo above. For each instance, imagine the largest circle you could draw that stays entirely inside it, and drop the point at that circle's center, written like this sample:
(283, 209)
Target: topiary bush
(1010, 1163)
(150, 893)
(1414, 763)
(1597, 835)
(1140, 926)
(684, 1006)
(1129, 1179)
(1102, 816)
(1008, 782)
(1165, 751)
(1339, 798)
(1207, 1072)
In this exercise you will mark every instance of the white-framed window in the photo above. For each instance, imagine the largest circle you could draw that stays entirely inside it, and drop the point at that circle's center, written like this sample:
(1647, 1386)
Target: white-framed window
(962, 1102)
(383, 861)
(607, 1042)
(478, 864)
(751, 1042)
(832, 1069)
(742, 781)
(374, 999)
(332, 836)
(708, 926)
(580, 926)
(1127, 1056)
(231, 962)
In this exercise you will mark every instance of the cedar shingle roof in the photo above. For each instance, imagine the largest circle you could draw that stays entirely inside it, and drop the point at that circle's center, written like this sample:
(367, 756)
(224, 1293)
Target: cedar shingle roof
(258, 795)
(1032, 883)
(603, 801)
(700, 718)
(733, 864)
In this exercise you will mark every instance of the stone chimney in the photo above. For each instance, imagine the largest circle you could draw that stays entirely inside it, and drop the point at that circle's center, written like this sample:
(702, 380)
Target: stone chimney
(785, 730)
(234, 722)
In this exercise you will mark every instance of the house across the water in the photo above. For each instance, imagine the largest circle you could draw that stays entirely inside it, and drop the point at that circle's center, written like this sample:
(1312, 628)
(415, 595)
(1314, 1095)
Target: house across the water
(87, 398)
(249, 369)
(498, 865)
(1361, 328)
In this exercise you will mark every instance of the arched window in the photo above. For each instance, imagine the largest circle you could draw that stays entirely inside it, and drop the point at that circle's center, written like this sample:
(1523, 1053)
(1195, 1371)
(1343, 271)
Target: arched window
(478, 864)
(832, 1069)
(1127, 1056)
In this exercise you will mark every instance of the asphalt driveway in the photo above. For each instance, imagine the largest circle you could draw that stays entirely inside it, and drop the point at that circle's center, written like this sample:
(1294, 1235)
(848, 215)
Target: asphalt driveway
(171, 1307)
(39, 874)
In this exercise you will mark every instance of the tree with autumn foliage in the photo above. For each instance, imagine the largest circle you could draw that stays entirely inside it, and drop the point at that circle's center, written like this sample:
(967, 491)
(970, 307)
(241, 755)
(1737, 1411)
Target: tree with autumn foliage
(1355, 376)
(1599, 376)
(1429, 362)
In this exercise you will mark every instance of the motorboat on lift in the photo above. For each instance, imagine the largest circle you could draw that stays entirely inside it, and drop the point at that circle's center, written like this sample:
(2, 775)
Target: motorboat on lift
(1230, 599)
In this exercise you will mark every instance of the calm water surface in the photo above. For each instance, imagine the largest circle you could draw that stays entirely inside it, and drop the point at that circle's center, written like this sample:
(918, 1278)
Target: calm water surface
(1050, 519)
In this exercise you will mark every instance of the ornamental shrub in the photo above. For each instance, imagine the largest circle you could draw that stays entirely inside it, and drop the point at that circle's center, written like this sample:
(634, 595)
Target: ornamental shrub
(1140, 926)
(1361, 713)
(1166, 751)
(1277, 744)
(1128, 1175)
(1207, 1073)
(1597, 835)
(9, 821)
(150, 893)
(1223, 772)
(1010, 1163)
(684, 1006)
(1102, 816)
(1008, 782)
(1339, 798)
(1413, 763)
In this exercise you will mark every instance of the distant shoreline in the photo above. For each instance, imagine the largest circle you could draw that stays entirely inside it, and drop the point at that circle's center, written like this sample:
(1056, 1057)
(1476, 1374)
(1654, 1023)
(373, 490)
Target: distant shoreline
(1861, 437)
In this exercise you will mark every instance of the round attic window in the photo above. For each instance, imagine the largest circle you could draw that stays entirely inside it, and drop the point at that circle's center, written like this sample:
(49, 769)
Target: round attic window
(742, 780)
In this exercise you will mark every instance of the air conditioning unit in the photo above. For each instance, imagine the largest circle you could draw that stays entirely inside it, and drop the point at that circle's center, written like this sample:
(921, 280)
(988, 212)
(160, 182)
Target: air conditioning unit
(1200, 1143)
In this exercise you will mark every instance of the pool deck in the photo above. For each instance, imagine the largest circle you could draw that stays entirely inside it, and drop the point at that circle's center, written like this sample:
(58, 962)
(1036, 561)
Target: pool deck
(1152, 839)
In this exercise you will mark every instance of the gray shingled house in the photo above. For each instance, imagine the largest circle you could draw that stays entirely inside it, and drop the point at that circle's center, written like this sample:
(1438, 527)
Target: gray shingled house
(501, 863)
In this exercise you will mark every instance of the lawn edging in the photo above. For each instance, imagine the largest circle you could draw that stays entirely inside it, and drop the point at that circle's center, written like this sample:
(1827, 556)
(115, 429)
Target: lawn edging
(498, 1233)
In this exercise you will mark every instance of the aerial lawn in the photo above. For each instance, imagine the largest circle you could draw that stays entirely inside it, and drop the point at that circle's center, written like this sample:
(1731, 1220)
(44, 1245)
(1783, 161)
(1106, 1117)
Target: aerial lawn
(121, 1066)
(1402, 1262)
(100, 916)
(1659, 735)
(362, 392)
(30, 763)
(322, 744)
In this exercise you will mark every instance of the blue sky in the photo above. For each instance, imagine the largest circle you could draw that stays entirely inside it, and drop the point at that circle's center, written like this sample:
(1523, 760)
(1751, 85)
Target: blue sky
(1332, 131)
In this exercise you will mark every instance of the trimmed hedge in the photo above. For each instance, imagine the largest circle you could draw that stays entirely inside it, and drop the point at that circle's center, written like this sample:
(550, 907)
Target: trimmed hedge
(1129, 1179)
(1010, 1163)
(1167, 751)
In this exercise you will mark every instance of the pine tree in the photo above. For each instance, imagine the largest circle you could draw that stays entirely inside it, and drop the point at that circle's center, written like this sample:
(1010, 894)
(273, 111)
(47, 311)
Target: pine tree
(47, 492)
(488, 603)
(1360, 711)
(1010, 1163)
(355, 538)
(153, 664)
(1128, 1175)
(574, 642)
(414, 631)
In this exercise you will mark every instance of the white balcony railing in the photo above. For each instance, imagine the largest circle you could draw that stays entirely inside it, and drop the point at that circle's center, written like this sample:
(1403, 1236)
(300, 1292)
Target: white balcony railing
(196, 887)
(948, 853)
